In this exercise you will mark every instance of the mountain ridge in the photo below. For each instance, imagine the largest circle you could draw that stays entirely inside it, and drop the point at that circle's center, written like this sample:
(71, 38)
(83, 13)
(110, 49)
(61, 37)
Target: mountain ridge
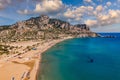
(43, 27)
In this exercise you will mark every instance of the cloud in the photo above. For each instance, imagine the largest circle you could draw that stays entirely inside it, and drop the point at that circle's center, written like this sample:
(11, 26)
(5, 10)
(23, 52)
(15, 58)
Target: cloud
(25, 12)
(114, 13)
(74, 13)
(69, 13)
(44, 7)
(48, 6)
(103, 17)
(1, 6)
(77, 13)
(99, 8)
(4, 3)
(108, 4)
(90, 13)
(111, 17)
(10, 3)
(118, 0)
(91, 22)
(88, 1)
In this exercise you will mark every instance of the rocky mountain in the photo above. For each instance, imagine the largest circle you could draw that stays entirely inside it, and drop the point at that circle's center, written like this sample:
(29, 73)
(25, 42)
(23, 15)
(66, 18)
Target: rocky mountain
(43, 27)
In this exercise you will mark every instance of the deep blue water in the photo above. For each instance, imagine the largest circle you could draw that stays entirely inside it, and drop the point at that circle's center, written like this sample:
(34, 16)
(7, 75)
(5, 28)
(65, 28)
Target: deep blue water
(82, 59)
(112, 34)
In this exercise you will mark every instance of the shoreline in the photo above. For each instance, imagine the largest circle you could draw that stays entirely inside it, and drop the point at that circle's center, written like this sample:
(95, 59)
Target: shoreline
(43, 52)
(28, 63)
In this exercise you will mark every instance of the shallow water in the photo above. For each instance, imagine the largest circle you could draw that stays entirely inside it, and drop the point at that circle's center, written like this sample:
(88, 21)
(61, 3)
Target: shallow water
(82, 59)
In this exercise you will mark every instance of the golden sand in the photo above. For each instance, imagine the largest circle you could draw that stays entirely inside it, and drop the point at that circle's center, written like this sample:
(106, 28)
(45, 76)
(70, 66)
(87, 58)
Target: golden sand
(24, 68)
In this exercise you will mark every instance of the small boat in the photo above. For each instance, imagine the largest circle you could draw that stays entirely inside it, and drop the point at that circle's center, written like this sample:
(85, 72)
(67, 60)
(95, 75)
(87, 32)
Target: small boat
(90, 60)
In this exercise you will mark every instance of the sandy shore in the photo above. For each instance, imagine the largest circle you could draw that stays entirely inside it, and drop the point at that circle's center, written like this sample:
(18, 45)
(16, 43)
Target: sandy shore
(26, 65)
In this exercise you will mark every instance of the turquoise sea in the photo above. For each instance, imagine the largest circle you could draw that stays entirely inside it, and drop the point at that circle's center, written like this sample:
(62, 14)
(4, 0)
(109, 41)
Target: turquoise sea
(82, 59)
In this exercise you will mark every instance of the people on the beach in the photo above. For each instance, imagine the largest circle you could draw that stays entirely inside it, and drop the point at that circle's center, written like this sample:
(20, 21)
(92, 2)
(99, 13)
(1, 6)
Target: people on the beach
(13, 78)
(23, 75)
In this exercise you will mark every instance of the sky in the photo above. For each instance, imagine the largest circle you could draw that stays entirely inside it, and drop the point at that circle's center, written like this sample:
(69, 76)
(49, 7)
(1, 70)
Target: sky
(99, 15)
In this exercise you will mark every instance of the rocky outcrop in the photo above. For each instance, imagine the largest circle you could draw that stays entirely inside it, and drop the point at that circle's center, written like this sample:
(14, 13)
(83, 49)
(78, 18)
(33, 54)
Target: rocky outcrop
(43, 27)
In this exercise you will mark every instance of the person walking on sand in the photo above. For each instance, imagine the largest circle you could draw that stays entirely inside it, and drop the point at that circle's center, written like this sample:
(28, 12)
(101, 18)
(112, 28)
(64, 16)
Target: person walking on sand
(13, 78)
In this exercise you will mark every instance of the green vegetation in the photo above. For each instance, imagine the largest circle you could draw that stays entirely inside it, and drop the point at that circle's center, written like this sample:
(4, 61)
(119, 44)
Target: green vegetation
(41, 27)
(29, 48)
(52, 33)
(4, 49)
(5, 27)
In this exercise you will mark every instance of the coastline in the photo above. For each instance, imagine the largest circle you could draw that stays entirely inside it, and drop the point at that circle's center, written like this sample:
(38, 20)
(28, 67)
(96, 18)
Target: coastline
(40, 56)
(29, 65)
(57, 65)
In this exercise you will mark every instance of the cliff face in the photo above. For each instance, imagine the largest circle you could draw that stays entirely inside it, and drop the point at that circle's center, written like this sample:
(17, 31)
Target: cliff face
(43, 27)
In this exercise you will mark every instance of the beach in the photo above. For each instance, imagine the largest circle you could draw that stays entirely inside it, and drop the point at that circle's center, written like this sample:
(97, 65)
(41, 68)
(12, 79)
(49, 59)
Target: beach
(25, 66)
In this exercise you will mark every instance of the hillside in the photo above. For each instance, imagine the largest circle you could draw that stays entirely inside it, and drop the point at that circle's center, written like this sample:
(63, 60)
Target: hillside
(42, 27)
